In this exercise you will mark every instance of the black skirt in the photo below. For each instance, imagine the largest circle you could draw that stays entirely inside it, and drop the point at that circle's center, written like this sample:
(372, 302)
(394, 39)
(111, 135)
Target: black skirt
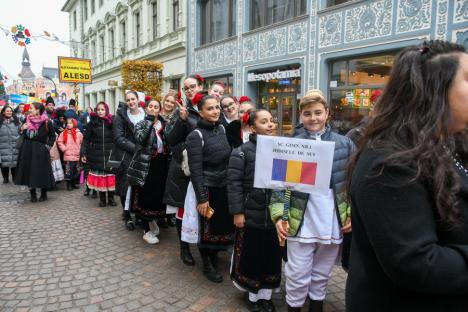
(34, 167)
(147, 200)
(218, 231)
(256, 262)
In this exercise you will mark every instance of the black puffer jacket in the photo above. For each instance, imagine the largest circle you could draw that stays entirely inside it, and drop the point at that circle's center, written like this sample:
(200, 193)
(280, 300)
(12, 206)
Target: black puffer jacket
(176, 133)
(243, 197)
(124, 139)
(208, 161)
(97, 143)
(144, 136)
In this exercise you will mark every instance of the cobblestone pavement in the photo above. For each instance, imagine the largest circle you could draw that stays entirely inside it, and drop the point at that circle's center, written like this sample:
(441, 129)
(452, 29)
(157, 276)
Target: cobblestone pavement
(69, 255)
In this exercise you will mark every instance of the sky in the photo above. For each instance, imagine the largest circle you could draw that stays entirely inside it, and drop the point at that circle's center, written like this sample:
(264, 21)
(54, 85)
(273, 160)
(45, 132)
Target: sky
(37, 16)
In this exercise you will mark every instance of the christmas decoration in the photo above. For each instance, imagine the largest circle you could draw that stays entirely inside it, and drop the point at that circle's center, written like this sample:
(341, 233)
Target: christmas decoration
(143, 76)
(20, 35)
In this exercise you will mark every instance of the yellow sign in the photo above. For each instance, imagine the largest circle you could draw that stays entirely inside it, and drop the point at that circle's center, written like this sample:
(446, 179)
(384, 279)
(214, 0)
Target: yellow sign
(74, 70)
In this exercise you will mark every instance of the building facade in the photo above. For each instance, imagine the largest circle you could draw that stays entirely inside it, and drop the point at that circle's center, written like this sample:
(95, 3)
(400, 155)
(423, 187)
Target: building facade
(111, 31)
(276, 50)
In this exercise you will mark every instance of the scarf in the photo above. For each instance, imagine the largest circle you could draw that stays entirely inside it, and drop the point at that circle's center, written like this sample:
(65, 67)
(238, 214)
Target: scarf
(35, 122)
(107, 118)
(72, 131)
(158, 144)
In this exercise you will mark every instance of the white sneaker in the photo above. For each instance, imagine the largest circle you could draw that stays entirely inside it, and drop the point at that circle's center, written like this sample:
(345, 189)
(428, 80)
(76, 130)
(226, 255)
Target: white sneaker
(150, 238)
(154, 227)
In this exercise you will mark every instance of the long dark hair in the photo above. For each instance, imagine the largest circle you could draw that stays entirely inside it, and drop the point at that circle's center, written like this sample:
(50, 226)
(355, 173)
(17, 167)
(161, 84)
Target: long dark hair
(13, 116)
(412, 120)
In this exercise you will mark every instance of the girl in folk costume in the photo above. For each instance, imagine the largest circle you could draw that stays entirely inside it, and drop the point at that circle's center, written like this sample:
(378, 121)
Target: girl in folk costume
(208, 154)
(147, 172)
(127, 116)
(256, 261)
(69, 142)
(184, 121)
(238, 131)
(34, 168)
(315, 231)
(9, 134)
(95, 151)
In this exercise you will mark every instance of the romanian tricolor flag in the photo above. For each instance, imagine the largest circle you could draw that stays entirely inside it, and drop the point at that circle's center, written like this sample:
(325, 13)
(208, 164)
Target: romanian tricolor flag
(294, 171)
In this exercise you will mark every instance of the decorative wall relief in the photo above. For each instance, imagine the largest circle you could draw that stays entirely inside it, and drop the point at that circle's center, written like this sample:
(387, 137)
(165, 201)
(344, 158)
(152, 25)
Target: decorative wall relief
(460, 11)
(312, 43)
(441, 20)
(297, 37)
(462, 38)
(369, 21)
(413, 15)
(272, 43)
(199, 57)
(250, 48)
(230, 53)
(330, 30)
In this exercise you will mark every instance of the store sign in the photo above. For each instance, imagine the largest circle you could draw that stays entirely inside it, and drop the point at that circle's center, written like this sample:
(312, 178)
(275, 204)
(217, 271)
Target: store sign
(74, 70)
(279, 74)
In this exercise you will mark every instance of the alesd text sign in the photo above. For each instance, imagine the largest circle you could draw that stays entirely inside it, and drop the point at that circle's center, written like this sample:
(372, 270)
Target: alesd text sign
(279, 74)
(74, 70)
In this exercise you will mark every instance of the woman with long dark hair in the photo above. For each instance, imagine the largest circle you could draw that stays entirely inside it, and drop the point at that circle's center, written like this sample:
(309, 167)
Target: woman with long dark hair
(9, 127)
(408, 186)
(34, 167)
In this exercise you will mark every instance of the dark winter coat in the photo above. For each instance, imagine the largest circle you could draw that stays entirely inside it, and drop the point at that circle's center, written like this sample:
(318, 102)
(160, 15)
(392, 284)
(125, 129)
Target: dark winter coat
(97, 144)
(176, 133)
(234, 133)
(208, 161)
(402, 258)
(34, 165)
(8, 136)
(243, 197)
(144, 136)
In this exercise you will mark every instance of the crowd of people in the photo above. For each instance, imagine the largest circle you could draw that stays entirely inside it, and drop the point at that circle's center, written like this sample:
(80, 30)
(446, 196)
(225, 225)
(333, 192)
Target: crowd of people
(191, 162)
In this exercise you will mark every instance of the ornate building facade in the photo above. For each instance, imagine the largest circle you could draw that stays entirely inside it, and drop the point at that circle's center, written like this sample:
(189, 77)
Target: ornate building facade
(111, 31)
(344, 48)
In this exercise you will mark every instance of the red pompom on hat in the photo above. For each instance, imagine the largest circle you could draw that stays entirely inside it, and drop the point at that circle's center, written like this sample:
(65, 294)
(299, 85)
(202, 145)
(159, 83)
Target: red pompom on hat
(244, 98)
(200, 79)
(197, 98)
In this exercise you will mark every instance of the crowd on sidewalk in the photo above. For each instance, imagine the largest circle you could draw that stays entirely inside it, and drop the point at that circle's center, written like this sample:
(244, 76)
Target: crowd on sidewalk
(185, 161)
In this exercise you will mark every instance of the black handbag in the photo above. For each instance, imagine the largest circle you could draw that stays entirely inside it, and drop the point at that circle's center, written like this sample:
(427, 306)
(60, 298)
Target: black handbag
(19, 142)
(113, 165)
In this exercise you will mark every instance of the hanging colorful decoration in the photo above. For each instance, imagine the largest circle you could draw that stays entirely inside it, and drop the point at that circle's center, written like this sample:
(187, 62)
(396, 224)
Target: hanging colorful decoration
(20, 35)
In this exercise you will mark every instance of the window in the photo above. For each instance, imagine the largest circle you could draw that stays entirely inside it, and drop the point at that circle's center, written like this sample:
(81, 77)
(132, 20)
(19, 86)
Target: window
(93, 6)
(93, 50)
(335, 2)
(175, 14)
(111, 43)
(101, 2)
(227, 80)
(267, 12)
(218, 20)
(74, 20)
(155, 19)
(102, 57)
(354, 88)
(137, 29)
(175, 84)
(85, 10)
(123, 31)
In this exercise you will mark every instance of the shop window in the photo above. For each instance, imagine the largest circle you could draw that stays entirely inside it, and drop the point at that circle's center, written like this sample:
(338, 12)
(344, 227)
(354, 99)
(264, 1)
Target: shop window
(227, 80)
(354, 88)
(217, 20)
(267, 12)
(331, 3)
(174, 84)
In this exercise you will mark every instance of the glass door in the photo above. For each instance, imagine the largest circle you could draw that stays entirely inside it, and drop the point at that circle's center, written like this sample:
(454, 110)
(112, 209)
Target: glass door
(282, 107)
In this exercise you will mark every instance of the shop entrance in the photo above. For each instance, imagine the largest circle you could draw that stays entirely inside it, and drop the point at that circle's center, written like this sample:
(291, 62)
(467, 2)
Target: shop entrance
(283, 108)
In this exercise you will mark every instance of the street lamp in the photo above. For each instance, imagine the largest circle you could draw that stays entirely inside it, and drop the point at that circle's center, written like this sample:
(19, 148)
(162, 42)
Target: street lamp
(55, 86)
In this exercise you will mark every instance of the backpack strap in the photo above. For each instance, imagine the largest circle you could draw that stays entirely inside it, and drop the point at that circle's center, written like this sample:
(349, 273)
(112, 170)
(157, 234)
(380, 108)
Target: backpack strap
(201, 136)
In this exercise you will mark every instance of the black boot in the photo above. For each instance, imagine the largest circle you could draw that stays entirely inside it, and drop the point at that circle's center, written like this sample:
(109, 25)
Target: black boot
(214, 258)
(171, 220)
(87, 190)
(102, 199)
(208, 270)
(315, 306)
(291, 309)
(74, 185)
(69, 186)
(43, 195)
(162, 223)
(185, 254)
(6, 181)
(267, 305)
(94, 194)
(33, 195)
(110, 199)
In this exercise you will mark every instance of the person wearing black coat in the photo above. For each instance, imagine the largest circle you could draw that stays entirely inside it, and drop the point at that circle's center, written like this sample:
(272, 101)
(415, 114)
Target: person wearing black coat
(256, 261)
(127, 116)
(95, 152)
(183, 122)
(208, 156)
(147, 171)
(34, 167)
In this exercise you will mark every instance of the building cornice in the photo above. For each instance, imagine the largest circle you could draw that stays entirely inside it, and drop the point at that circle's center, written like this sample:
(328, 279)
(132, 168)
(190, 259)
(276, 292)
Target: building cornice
(68, 5)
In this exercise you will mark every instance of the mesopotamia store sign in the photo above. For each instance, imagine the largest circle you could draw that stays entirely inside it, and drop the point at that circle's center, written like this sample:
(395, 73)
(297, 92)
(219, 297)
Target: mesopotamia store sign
(279, 74)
